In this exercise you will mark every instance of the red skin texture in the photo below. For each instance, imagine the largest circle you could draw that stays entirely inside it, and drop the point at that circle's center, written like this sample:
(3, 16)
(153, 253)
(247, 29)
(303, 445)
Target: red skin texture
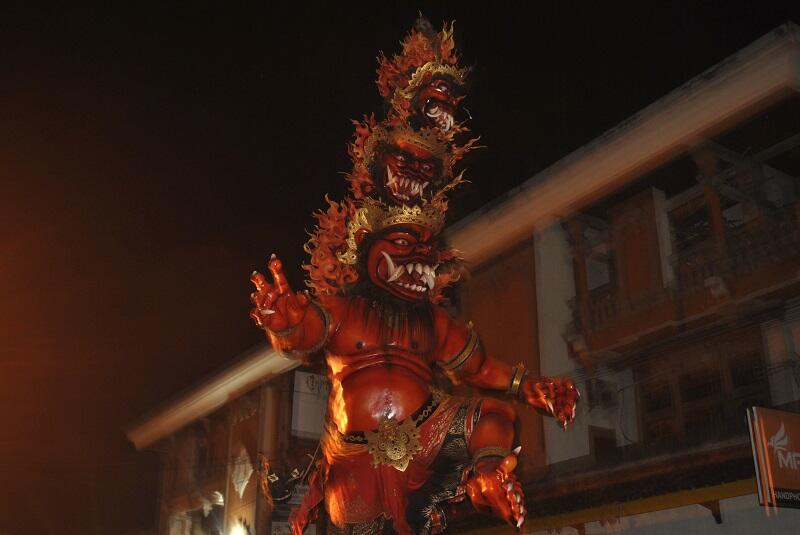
(377, 379)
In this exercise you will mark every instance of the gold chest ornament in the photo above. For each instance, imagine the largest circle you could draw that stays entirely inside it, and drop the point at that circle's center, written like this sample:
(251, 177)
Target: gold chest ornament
(394, 443)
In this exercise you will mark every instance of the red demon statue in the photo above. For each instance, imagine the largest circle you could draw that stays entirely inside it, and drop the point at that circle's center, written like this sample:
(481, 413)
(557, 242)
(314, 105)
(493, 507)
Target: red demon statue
(397, 449)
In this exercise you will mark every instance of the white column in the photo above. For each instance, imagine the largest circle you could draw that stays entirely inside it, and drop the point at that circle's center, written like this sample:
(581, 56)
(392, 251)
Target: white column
(555, 286)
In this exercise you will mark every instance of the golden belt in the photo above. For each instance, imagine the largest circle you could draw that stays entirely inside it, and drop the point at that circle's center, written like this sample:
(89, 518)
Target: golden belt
(395, 443)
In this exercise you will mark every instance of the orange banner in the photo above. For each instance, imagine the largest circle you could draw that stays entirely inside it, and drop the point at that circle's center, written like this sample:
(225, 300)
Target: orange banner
(775, 438)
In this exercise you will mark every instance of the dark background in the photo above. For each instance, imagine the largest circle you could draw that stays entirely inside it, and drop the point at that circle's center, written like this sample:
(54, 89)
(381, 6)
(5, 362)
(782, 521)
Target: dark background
(151, 157)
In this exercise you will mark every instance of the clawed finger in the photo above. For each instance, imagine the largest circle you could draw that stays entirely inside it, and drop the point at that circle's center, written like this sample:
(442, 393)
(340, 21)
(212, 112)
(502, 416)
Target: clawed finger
(256, 317)
(544, 399)
(260, 282)
(279, 279)
(296, 305)
(507, 465)
(515, 498)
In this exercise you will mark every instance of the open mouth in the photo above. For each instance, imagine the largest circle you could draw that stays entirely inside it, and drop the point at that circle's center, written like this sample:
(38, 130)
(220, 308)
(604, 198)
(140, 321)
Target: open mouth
(413, 276)
(404, 188)
(441, 115)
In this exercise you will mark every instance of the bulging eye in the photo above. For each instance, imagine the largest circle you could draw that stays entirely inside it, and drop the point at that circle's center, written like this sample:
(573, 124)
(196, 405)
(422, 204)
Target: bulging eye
(400, 241)
(427, 168)
(401, 160)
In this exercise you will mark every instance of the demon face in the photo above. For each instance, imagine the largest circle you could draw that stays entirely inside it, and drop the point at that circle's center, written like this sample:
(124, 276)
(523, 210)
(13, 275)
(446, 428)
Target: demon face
(409, 173)
(402, 261)
(437, 100)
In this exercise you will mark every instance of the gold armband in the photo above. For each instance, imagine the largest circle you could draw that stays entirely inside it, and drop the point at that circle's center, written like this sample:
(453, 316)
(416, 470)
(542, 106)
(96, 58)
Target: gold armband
(461, 358)
(490, 451)
(283, 333)
(518, 374)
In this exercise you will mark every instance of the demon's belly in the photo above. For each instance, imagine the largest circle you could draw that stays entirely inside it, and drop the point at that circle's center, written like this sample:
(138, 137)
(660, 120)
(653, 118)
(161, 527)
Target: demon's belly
(368, 389)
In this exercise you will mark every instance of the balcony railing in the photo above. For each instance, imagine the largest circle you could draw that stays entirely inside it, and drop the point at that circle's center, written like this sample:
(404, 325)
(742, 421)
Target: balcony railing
(707, 265)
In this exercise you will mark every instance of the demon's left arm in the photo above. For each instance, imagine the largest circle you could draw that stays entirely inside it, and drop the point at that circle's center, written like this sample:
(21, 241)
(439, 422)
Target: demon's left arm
(462, 357)
(492, 485)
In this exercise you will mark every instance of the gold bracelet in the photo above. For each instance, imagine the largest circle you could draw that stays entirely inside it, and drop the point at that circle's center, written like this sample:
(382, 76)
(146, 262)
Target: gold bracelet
(490, 451)
(518, 374)
(283, 333)
(326, 322)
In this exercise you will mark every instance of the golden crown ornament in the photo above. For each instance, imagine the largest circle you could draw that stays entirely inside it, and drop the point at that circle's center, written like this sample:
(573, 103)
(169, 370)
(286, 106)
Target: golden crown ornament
(375, 216)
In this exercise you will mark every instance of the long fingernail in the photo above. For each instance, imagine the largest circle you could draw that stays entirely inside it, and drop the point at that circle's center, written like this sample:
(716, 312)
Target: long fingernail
(272, 256)
(520, 522)
(509, 486)
(517, 450)
(267, 312)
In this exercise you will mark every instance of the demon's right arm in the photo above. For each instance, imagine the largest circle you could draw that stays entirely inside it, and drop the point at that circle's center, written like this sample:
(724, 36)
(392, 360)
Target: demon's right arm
(296, 325)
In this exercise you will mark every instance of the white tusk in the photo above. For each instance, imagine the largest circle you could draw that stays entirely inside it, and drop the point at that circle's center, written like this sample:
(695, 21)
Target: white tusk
(517, 450)
(429, 280)
(418, 267)
(389, 176)
(396, 274)
(389, 262)
(520, 522)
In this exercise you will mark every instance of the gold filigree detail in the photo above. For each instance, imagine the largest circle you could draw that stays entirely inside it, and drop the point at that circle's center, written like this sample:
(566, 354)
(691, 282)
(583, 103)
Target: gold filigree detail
(394, 443)
(427, 72)
(375, 216)
(424, 138)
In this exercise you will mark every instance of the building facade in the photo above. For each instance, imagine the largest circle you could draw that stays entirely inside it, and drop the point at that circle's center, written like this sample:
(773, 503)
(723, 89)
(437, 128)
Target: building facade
(214, 438)
(659, 266)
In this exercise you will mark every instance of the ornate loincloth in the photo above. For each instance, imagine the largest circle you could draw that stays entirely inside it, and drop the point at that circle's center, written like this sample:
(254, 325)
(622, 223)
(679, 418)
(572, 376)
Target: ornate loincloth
(395, 476)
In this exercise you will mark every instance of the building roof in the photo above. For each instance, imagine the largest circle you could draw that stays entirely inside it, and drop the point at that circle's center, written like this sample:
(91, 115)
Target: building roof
(250, 369)
(739, 86)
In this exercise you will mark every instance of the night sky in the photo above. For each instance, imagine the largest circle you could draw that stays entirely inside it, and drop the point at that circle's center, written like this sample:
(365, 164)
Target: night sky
(152, 157)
